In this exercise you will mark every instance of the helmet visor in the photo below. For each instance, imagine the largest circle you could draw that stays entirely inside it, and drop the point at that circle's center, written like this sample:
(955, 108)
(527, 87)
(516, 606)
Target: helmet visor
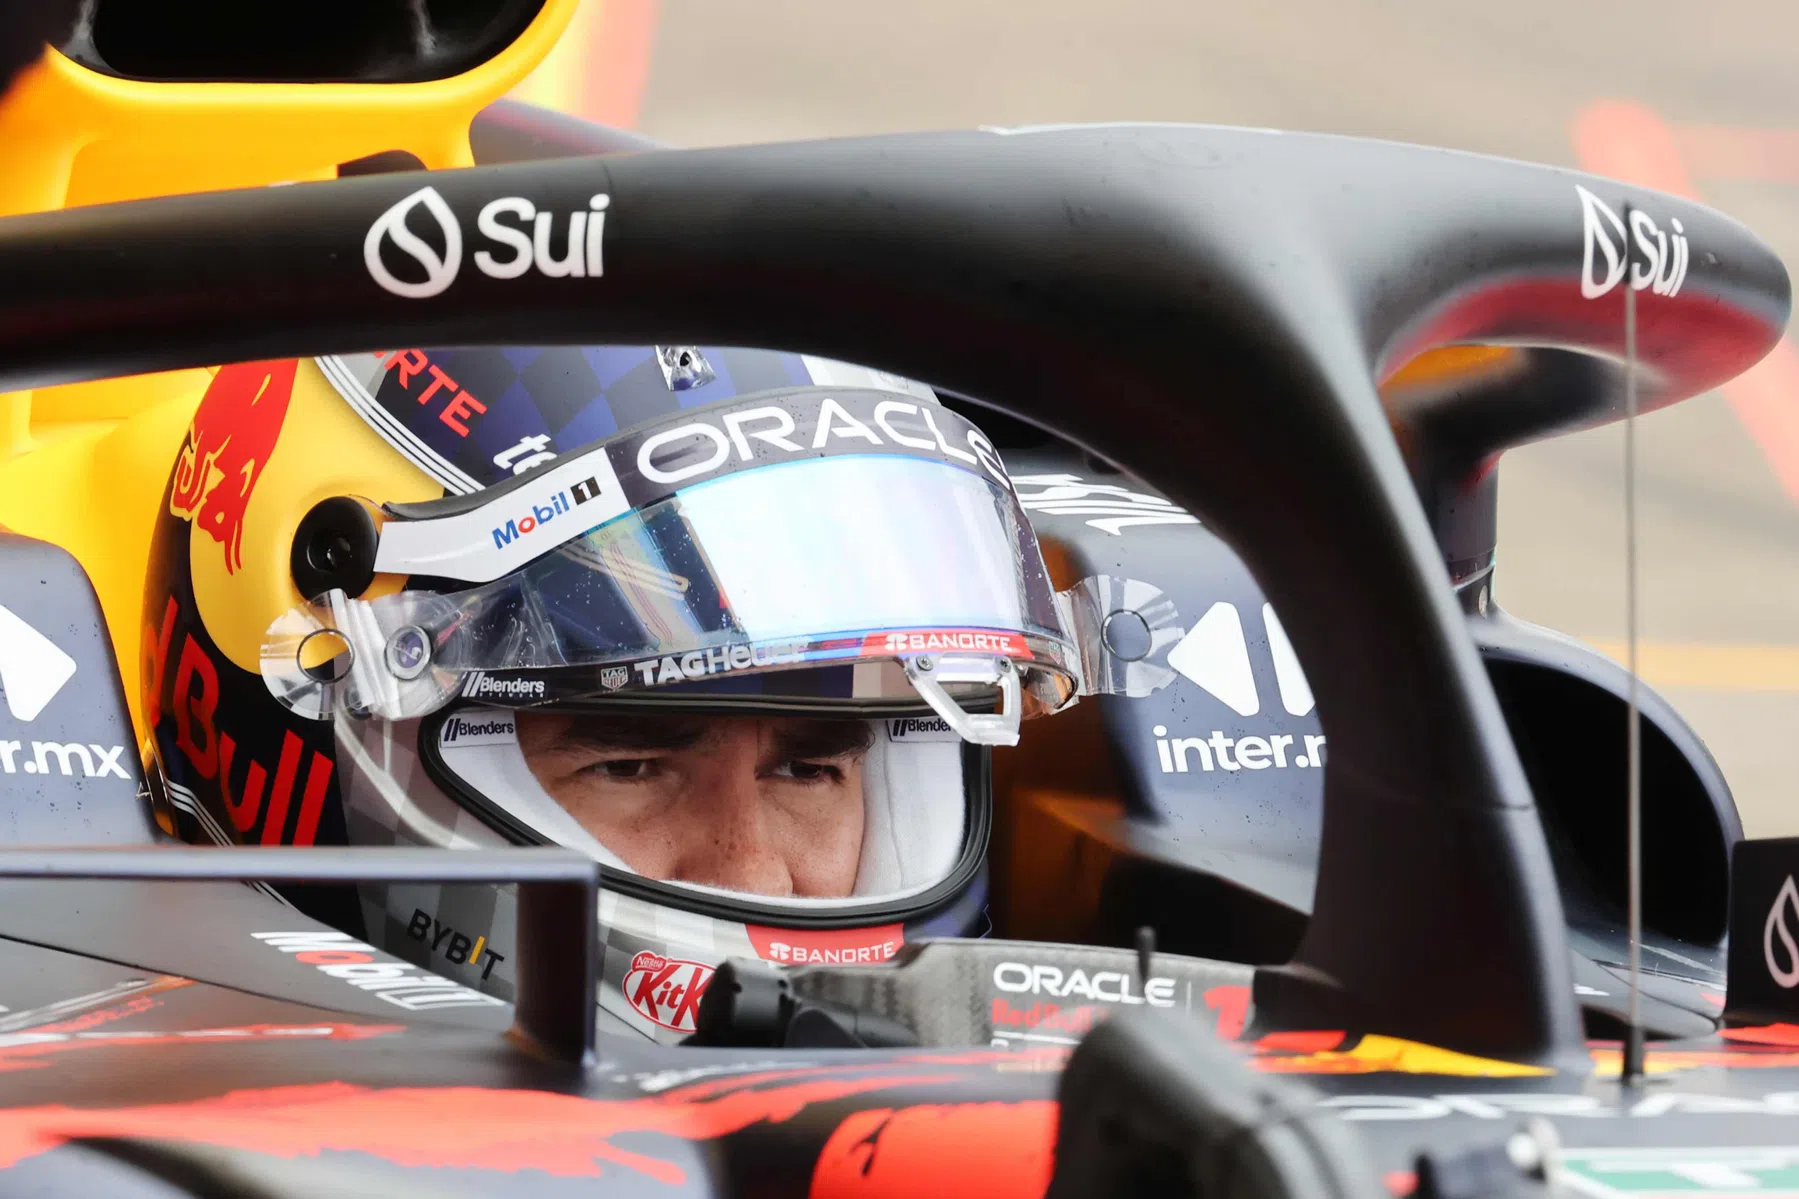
(847, 558)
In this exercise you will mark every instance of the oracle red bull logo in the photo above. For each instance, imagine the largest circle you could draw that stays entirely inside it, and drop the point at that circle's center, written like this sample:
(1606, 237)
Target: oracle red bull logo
(228, 444)
(666, 991)
(1045, 1017)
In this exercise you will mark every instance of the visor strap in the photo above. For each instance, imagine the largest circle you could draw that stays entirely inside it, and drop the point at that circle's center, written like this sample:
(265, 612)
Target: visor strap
(928, 673)
(373, 687)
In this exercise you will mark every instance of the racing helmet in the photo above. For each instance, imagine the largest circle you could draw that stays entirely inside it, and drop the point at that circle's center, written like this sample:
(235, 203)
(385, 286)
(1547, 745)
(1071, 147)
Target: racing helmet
(739, 624)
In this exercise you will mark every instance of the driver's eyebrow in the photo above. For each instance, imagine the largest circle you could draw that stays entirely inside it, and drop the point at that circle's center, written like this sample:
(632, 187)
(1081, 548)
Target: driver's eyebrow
(632, 731)
(804, 740)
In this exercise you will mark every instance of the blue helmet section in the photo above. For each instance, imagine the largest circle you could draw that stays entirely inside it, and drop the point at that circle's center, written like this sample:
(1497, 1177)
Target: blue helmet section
(492, 412)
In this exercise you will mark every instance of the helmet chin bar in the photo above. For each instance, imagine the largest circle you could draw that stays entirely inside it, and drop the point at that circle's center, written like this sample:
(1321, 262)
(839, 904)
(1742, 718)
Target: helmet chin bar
(929, 673)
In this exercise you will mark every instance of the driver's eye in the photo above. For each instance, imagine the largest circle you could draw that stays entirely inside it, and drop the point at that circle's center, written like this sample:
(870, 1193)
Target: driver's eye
(626, 768)
(811, 772)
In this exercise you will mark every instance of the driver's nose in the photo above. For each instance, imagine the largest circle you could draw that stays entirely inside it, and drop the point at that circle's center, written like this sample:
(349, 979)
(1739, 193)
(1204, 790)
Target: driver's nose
(724, 835)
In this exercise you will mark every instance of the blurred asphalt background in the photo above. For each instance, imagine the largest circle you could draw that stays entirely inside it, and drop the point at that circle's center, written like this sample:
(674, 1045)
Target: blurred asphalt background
(1683, 96)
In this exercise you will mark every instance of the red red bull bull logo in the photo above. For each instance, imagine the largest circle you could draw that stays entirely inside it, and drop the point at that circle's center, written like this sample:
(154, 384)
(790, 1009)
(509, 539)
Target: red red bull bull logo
(232, 435)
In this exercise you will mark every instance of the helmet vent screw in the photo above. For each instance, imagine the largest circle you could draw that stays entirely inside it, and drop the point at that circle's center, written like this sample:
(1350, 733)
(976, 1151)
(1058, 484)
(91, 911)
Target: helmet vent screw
(334, 549)
(684, 367)
(408, 652)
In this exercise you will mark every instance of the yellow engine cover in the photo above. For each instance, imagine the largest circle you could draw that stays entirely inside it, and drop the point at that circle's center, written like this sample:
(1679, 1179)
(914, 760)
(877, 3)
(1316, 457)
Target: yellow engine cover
(85, 465)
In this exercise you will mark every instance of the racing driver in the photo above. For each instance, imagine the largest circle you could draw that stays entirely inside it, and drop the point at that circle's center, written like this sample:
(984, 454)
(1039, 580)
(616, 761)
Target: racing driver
(739, 624)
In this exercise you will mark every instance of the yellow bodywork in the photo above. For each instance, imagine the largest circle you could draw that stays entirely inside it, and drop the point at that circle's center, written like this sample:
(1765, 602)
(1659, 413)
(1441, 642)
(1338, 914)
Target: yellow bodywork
(84, 466)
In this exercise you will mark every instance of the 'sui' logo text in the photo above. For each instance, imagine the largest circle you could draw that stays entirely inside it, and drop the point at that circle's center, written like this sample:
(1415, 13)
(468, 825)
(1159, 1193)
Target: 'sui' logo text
(1658, 264)
(1777, 926)
(519, 239)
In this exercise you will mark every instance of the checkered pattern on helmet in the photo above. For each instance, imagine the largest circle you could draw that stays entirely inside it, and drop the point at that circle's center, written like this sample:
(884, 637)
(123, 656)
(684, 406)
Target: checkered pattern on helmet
(471, 911)
(366, 750)
(572, 395)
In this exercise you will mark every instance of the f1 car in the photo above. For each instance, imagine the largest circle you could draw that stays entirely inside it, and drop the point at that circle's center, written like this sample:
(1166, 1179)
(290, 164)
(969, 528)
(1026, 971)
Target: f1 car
(1316, 346)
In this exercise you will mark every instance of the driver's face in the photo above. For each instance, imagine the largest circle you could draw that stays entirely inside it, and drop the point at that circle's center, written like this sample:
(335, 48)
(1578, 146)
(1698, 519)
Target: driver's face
(772, 807)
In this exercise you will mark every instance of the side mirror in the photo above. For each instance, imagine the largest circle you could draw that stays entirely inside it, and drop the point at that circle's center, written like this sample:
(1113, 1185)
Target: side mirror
(1565, 705)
